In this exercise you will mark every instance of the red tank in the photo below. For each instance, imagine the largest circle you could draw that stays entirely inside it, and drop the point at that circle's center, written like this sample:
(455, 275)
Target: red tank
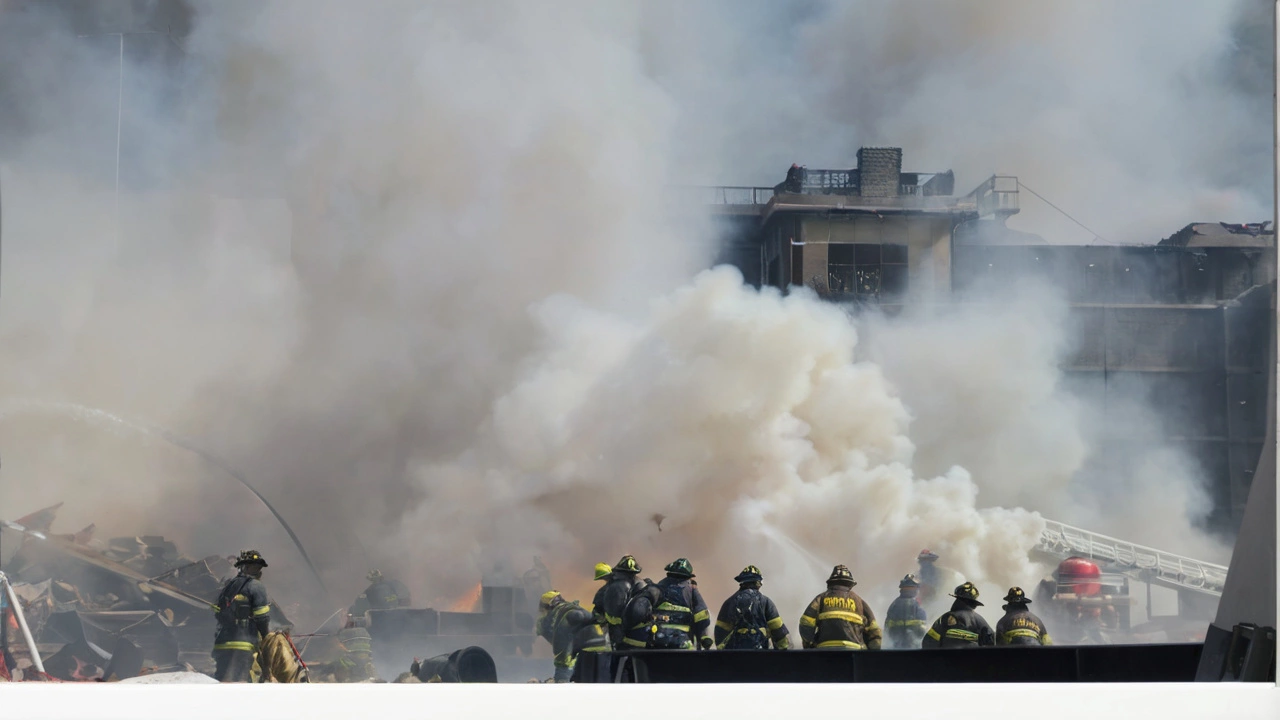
(1077, 572)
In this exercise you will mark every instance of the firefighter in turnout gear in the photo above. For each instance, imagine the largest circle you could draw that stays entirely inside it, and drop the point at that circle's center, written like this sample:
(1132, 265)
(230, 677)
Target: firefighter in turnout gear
(243, 616)
(928, 576)
(682, 616)
(605, 573)
(569, 629)
(748, 620)
(1019, 626)
(962, 626)
(906, 621)
(382, 594)
(839, 618)
(614, 596)
(355, 661)
(638, 617)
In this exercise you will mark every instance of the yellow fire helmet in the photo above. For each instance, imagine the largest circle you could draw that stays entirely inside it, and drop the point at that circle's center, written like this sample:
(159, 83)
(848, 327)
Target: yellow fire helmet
(547, 598)
(602, 570)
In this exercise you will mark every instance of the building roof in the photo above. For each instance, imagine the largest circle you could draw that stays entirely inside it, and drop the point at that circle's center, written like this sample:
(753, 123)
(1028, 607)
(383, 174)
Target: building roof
(1220, 234)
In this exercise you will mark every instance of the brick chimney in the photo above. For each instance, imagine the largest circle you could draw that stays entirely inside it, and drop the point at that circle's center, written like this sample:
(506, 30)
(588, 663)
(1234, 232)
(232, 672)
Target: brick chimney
(879, 171)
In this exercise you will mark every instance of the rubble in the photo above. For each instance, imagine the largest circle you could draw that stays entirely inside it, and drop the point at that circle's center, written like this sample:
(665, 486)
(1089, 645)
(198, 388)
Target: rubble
(114, 610)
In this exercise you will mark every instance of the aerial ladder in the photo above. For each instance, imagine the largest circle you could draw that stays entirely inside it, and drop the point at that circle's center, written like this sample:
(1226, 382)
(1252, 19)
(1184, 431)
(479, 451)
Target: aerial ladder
(1059, 541)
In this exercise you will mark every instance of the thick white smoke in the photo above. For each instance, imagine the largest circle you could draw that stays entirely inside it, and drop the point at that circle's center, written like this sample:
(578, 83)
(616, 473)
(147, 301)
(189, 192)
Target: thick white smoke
(739, 415)
(485, 340)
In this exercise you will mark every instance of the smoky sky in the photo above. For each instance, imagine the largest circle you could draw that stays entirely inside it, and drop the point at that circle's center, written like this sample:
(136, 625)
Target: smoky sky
(408, 267)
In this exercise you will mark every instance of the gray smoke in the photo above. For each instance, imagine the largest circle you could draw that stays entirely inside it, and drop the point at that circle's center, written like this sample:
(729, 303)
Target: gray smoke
(1133, 117)
(407, 267)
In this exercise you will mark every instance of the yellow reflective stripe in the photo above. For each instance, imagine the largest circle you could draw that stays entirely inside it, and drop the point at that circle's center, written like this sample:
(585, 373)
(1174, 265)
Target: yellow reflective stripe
(748, 630)
(612, 620)
(240, 598)
(1045, 639)
(261, 610)
(1021, 632)
(775, 623)
(595, 648)
(681, 628)
(636, 643)
(783, 644)
(723, 625)
(701, 615)
(849, 615)
(904, 623)
(872, 626)
(959, 634)
(235, 645)
(673, 608)
(840, 643)
(808, 621)
(933, 634)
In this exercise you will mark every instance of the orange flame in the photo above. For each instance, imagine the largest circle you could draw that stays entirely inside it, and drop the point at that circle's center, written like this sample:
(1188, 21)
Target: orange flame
(469, 602)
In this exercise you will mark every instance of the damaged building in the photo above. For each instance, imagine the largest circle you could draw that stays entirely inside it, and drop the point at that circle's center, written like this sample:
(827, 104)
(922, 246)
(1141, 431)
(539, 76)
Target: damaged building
(1180, 324)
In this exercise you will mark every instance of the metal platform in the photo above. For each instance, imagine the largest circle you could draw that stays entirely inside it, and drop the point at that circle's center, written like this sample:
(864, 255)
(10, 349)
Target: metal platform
(1101, 664)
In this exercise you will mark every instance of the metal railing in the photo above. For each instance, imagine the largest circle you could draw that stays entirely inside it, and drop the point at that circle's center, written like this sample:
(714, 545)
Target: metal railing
(817, 180)
(1158, 567)
(998, 195)
(725, 194)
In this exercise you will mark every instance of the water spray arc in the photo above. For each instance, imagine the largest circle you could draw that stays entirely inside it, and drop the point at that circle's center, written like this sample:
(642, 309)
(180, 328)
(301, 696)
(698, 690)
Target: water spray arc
(95, 416)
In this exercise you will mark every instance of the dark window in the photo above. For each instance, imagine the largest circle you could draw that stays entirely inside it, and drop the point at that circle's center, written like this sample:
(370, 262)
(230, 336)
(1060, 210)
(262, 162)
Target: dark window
(838, 254)
(894, 254)
(866, 272)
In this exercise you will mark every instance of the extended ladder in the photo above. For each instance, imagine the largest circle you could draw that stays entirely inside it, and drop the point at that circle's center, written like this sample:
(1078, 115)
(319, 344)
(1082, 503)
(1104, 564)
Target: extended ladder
(1060, 541)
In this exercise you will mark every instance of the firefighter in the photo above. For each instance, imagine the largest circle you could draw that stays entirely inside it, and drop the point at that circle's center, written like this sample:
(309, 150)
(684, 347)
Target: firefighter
(906, 621)
(638, 616)
(1020, 626)
(961, 626)
(569, 629)
(382, 594)
(839, 618)
(682, 616)
(928, 576)
(355, 660)
(243, 616)
(605, 573)
(616, 593)
(748, 620)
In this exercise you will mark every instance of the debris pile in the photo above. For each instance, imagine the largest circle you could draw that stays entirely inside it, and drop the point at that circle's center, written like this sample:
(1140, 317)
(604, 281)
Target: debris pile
(113, 610)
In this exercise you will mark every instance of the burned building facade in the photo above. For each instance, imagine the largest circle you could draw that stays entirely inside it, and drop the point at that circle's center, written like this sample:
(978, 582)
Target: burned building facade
(1180, 325)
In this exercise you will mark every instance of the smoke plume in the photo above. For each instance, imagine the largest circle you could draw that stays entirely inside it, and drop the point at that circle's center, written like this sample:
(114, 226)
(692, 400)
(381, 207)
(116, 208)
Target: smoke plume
(407, 267)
